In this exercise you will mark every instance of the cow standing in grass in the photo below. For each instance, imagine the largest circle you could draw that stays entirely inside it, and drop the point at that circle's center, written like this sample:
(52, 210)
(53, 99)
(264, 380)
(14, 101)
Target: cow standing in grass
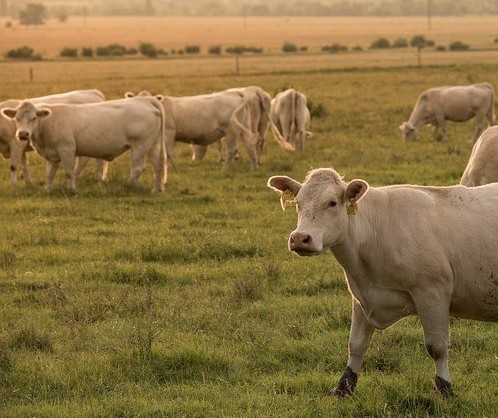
(233, 114)
(406, 250)
(11, 147)
(455, 103)
(290, 114)
(62, 132)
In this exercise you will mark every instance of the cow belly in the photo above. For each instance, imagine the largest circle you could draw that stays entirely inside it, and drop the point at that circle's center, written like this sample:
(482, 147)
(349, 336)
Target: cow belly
(200, 138)
(104, 149)
(477, 298)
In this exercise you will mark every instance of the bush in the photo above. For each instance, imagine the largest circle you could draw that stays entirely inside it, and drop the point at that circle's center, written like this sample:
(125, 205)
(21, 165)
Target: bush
(317, 110)
(113, 50)
(419, 41)
(440, 48)
(303, 49)
(357, 48)
(334, 48)
(25, 52)
(289, 47)
(147, 49)
(132, 51)
(380, 43)
(69, 52)
(237, 49)
(458, 46)
(192, 49)
(400, 43)
(215, 50)
(86, 52)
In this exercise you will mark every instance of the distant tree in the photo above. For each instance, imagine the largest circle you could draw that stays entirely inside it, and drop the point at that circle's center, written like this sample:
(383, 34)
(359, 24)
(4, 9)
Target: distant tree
(148, 49)
(289, 47)
(69, 52)
(380, 43)
(419, 41)
(400, 43)
(25, 52)
(459, 46)
(33, 14)
(192, 49)
(215, 49)
(87, 52)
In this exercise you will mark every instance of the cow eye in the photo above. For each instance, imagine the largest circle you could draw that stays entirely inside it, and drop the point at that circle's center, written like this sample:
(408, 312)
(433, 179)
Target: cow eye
(332, 203)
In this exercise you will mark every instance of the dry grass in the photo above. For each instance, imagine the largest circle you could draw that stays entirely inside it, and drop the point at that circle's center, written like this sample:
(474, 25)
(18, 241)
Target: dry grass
(268, 32)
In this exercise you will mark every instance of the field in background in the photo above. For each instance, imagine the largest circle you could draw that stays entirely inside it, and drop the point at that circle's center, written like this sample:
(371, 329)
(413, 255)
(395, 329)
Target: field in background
(115, 302)
(269, 32)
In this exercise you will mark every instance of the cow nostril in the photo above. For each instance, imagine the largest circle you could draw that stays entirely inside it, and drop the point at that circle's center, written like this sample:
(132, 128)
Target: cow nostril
(306, 239)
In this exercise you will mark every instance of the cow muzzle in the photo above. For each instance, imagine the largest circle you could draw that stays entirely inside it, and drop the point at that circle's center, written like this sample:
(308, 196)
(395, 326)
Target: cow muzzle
(23, 135)
(302, 244)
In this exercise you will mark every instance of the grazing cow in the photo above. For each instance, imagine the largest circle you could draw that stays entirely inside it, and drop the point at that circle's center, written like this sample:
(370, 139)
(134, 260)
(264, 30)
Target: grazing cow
(455, 103)
(205, 119)
(482, 167)
(61, 132)
(11, 148)
(405, 250)
(290, 114)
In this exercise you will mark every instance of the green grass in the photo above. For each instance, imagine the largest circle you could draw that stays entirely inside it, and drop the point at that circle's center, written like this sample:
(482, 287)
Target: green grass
(118, 303)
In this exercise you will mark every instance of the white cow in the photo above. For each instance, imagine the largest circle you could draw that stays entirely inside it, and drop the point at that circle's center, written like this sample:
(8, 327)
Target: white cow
(205, 119)
(61, 132)
(290, 114)
(14, 149)
(482, 167)
(454, 103)
(406, 250)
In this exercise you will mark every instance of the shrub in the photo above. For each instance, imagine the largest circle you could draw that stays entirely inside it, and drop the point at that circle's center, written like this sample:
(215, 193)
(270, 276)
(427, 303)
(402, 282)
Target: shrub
(357, 48)
(237, 49)
(380, 43)
(303, 48)
(419, 41)
(253, 49)
(334, 48)
(132, 51)
(192, 49)
(458, 46)
(147, 49)
(69, 52)
(114, 50)
(317, 110)
(86, 52)
(400, 43)
(289, 47)
(215, 50)
(440, 48)
(24, 52)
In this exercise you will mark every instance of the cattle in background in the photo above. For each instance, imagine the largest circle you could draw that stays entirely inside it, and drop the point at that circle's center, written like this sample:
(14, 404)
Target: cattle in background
(406, 250)
(455, 103)
(61, 132)
(482, 167)
(15, 150)
(239, 113)
(290, 114)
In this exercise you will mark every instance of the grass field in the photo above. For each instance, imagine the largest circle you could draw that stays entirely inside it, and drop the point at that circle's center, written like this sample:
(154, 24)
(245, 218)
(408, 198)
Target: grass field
(118, 303)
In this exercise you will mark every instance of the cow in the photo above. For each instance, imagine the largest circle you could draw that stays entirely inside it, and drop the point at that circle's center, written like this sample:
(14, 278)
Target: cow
(405, 250)
(455, 103)
(482, 167)
(61, 132)
(16, 150)
(290, 114)
(204, 119)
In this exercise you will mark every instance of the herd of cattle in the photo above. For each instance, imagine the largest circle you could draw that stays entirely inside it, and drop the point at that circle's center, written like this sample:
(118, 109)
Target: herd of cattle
(69, 128)
(407, 249)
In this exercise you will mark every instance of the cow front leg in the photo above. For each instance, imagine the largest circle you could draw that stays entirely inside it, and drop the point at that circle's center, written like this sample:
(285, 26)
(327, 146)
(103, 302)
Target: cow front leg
(68, 160)
(360, 336)
(51, 170)
(25, 170)
(231, 144)
(434, 317)
(198, 152)
(479, 128)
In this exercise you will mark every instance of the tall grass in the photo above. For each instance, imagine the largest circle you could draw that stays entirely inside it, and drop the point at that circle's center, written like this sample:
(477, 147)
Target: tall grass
(116, 302)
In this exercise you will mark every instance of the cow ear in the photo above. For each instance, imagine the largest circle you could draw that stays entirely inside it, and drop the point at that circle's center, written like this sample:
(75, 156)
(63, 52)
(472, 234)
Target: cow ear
(129, 94)
(159, 97)
(9, 113)
(43, 113)
(287, 187)
(355, 190)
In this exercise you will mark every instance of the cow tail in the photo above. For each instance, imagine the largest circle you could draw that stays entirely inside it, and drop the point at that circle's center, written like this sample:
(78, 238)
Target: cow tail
(491, 110)
(163, 156)
(246, 133)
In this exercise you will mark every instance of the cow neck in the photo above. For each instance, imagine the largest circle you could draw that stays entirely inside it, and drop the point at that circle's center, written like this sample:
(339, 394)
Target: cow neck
(366, 232)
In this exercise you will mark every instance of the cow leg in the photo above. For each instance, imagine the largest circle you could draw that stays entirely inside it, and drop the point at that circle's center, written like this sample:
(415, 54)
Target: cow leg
(441, 123)
(359, 339)
(102, 170)
(25, 170)
(434, 317)
(198, 152)
(50, 169)
(137, 165)
(68, 160)
(169, 137)
(81, 163)
(253, 154)
(16, 160)
(231, 144)
(479, 128)
(300, 135)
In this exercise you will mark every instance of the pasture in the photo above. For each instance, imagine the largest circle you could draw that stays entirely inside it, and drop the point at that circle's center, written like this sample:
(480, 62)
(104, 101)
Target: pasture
(115, 302)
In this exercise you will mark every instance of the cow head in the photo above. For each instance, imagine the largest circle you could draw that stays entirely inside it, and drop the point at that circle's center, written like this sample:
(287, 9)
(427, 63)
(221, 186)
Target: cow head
(409, 131)
(27, 117)
(323, 203)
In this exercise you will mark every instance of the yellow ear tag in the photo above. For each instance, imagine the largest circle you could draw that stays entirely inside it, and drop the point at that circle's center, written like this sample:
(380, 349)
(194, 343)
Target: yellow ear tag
(286, 197)
(352, 208)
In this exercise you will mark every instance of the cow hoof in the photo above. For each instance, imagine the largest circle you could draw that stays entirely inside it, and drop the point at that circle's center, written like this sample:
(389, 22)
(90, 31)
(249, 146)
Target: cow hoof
(346, 384)
(443, 387)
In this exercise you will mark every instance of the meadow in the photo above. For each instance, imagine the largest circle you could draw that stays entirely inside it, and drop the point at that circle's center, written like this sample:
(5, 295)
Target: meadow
(118, 303)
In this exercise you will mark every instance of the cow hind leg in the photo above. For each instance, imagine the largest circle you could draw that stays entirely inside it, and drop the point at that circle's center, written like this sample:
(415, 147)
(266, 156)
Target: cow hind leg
(137, 166)
(479, 128)
(159, 167)
(359, 339)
